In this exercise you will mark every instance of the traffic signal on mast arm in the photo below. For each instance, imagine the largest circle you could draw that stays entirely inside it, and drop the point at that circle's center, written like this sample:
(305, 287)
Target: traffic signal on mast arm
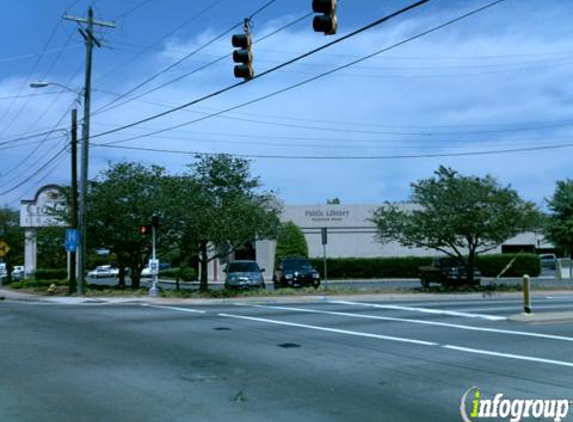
(243, 55)
(327, 21)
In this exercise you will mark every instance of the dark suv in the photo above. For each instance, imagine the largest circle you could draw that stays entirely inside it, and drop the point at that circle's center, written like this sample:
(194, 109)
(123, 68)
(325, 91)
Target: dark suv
(447, 271)
(296, 272)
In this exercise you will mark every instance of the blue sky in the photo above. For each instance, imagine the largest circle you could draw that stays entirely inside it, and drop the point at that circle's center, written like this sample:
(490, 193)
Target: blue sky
(462, 96)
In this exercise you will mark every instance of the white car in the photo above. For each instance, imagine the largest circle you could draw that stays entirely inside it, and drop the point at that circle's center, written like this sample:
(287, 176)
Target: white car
(18, 272)
(104, 271)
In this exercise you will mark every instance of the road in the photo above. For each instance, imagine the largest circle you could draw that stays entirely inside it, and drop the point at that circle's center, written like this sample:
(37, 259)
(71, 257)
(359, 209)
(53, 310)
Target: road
(329, 360)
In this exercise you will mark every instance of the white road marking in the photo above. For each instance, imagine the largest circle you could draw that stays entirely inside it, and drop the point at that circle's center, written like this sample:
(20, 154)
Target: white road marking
(405, 340)
(332, 330)
(194, 311)
(417, 321)
(508, 355)
(422, 310)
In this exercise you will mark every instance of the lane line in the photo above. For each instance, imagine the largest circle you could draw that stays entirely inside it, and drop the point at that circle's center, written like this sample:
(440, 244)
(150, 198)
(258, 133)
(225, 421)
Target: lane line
(422, 310)
(174, 308)
(418, 321)
(332, 330)
(508, 355)
(406, 340)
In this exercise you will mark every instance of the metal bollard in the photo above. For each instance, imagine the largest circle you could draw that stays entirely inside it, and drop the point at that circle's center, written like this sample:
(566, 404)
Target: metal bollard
(526, 295)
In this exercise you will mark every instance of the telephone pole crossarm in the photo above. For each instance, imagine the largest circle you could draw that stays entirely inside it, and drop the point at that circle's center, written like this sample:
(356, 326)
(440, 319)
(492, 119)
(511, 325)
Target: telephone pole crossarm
(84, 20)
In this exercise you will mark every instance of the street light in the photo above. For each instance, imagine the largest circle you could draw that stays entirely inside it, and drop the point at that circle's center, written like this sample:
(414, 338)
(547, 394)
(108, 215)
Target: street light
(74, 189)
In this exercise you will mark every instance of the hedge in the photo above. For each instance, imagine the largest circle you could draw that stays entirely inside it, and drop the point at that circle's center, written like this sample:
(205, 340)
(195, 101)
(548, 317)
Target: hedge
(407, 267)
(492, 265)
(183, 273)
(51, 274)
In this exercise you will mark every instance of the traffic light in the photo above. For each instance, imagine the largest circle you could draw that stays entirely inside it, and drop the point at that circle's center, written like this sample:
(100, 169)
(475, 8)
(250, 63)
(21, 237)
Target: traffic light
(145, 229)
(327, 22)
(243, 55)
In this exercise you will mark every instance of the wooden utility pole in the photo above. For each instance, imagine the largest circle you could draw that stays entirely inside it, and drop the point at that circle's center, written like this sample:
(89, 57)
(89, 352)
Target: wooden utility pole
(90, 40)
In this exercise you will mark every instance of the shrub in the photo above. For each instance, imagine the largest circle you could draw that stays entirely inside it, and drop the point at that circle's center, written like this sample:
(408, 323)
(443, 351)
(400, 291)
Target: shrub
(349, 268)
(183, 273)
(407, 267)
(290, 242)
(51, 274)
(492, 265)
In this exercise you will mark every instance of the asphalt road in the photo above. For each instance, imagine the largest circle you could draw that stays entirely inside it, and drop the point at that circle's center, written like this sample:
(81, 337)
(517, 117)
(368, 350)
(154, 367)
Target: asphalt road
(242, 361)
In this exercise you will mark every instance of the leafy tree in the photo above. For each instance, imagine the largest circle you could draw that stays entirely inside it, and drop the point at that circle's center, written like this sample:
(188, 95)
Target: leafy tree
(13, 236)
(290, 242)
(461, 216)
(220, 209)
(559, 223)
(333, 201)
(51, 251)
(123, 197)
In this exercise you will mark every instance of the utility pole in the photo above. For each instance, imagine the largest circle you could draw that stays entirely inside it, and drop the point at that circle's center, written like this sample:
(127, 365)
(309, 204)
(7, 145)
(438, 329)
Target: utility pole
(74, 199)
(90, 40)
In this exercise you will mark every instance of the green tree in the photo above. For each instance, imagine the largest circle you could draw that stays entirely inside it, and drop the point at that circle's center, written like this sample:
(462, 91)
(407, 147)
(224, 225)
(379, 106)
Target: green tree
(290, 242)
(51, 251)
(123, 197)
(559, 223)
(461, 216)
(220, 209)
(13, 236)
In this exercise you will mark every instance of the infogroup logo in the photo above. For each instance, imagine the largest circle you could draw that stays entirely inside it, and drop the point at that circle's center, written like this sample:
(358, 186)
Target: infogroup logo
(474, 407)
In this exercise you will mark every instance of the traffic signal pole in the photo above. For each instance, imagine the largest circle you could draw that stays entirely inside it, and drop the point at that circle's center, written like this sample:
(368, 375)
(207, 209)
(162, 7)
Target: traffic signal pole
(153, 290)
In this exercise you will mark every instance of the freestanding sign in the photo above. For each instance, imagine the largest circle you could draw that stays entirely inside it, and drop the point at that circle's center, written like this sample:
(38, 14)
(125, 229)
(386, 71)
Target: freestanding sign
(72, 239)
(4, 249)
(324, 234)
(154, 266)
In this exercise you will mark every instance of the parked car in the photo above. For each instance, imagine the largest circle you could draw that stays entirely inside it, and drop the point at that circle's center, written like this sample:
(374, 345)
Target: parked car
(18, 272)
(447, 271)
(548, 260)
(104, 271)
(296, 272)
(244, 275)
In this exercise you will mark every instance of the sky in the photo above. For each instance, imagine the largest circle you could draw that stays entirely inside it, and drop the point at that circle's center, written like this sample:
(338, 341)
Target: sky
(491, 93)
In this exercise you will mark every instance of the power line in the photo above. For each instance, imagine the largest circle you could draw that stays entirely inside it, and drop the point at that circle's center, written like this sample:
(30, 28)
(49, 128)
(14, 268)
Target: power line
(181, 60)
(35, 65)
(131, 10)
(297, 85)
(431, 131)
(110, 105)
(348, 158)
(38, 171)
(274, 69)
(185, 23)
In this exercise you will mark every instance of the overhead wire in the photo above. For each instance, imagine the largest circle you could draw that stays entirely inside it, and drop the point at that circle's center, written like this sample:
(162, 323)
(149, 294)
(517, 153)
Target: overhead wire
(299, 84)
(267, 72)
(187, 22)
(36, 172)
(111, 106)
(181, 60)
(349, 158)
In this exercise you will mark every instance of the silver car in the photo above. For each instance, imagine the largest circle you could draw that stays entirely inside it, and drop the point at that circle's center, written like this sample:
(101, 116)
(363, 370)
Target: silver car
(244, 275)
